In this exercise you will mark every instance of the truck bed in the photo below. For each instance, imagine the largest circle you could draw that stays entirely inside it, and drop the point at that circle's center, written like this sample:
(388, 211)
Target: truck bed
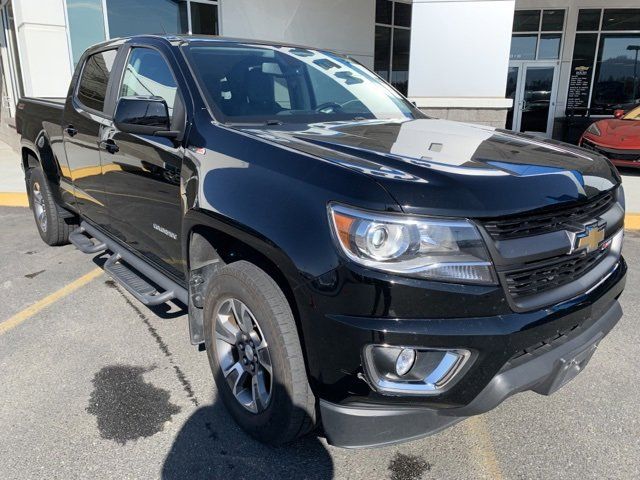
(57, 101)
(34, 115)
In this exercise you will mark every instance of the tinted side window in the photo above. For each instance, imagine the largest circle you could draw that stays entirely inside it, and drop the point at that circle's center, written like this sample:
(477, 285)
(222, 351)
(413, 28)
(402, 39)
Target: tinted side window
(148, 75)
(92, 89)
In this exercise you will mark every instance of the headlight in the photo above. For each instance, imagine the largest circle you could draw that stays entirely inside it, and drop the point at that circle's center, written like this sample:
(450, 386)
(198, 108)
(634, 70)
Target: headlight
(594, 130)
(429, 248)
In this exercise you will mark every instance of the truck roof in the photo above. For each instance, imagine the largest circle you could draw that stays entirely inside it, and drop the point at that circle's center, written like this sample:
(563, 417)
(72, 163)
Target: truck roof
(184, 38)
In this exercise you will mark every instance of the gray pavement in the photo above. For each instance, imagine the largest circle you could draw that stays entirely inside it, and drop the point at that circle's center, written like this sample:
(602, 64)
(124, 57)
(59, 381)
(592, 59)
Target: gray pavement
(96, 385)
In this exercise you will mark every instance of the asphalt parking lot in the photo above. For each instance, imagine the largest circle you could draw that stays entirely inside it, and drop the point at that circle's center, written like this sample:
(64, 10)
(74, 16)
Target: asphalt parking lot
(95, 385)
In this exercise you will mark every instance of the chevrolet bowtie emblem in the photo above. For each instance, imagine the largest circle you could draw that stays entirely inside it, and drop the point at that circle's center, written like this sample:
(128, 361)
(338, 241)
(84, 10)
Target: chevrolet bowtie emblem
(590, 239)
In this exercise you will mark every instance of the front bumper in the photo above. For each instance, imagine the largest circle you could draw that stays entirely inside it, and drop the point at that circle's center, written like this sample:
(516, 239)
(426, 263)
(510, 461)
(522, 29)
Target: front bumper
(369, 426)
(618, 156)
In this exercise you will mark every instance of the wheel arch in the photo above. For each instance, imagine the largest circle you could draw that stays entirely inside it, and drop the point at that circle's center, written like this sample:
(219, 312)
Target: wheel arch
(210, 248)
(40, 154)
(30, 157)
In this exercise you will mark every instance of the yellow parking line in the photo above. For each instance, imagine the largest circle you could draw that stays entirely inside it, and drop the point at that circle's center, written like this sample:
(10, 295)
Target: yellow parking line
(28, 312)
(632, 221)
(483, 451)
(11, 199)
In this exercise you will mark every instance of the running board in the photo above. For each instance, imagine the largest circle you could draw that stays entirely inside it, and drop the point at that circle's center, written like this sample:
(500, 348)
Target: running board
(84, 243)
(130, 271)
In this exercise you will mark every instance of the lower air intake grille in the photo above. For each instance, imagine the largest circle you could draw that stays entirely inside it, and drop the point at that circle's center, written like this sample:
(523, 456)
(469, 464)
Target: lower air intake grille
(552, 274)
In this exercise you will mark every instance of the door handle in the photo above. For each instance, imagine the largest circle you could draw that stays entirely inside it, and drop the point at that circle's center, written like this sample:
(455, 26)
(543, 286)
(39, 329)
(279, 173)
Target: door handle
(110, 146)
(71, 130)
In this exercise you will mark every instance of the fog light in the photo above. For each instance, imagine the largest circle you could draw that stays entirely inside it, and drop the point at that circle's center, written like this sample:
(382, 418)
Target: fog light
(405, 361)
(413, 370)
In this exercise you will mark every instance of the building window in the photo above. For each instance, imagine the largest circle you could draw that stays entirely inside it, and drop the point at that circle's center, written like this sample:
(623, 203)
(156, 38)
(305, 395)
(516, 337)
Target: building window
(162, 16)
(127, 17)
(537, 34)
(605, 73)
(86, 25)
(392, 42)
(92, 21)
(203, 17)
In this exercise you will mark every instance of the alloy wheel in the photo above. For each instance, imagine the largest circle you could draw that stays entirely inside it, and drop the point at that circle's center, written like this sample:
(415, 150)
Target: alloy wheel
(39, 206)
(243, 355)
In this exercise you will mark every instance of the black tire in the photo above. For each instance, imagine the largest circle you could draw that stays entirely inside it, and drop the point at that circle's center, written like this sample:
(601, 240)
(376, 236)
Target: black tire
(53, 223)
(291, 411)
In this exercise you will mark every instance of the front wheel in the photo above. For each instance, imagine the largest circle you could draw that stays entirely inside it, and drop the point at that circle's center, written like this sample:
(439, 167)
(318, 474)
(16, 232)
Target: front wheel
(255, 355)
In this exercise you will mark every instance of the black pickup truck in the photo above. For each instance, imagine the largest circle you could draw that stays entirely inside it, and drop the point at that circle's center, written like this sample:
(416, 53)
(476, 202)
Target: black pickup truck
(345, 260)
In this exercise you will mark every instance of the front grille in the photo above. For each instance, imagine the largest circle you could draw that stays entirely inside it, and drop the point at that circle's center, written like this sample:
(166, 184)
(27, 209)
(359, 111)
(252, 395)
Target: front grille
(547, 220)
(611, 153)
(551, 274)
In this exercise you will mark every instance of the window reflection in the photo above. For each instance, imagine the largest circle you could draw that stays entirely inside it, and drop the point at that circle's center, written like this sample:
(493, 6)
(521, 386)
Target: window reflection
(526, 21)
(86, 25)
(127, 17)
(523, 47)
(148, 75)
(538, 43)
(549, 46)
(400, 72)
(392, 42)
(512, 83)
(621, 19)
(92, 88)
(553, 20)
(383, 52)
(617, 82)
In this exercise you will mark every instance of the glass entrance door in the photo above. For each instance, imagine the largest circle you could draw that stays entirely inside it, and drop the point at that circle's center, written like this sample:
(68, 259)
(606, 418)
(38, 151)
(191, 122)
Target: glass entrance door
(532, 86)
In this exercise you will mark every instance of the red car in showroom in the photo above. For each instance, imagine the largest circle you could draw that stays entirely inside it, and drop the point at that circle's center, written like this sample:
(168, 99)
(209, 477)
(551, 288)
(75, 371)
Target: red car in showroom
(616, 138)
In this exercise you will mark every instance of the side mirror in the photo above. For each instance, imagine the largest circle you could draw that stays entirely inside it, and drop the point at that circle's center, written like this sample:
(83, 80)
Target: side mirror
(618, 113)
(144, 116)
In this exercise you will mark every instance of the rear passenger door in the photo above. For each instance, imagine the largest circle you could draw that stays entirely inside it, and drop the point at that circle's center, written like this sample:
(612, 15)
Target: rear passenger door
(83, 120)
(142, 172)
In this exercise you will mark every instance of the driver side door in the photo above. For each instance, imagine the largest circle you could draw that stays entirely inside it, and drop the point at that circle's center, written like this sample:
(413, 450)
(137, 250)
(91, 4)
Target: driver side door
(142, 172)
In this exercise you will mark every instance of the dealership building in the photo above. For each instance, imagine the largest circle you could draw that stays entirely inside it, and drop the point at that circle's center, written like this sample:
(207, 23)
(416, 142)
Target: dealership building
(547, 67)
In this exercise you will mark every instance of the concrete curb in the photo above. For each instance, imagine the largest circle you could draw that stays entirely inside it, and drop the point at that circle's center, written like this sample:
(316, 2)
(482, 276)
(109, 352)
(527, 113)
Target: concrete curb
(632, 221)
(14, 199)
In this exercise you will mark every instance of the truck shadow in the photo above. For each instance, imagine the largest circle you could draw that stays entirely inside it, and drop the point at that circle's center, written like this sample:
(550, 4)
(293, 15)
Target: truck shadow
(210, 445)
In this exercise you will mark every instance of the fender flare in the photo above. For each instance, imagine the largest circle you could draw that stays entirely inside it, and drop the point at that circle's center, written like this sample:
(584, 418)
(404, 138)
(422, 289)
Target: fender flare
(210, 243)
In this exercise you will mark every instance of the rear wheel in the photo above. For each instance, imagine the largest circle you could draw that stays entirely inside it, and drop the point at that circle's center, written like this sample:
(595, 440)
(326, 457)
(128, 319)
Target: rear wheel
(53, 223)
(255, 355)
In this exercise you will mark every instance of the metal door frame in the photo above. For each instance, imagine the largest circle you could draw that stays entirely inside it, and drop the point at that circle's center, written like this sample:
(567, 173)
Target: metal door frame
(523, 66)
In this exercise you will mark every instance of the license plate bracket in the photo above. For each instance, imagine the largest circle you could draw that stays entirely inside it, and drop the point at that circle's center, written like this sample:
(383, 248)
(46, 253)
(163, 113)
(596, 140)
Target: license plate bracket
(566, 369)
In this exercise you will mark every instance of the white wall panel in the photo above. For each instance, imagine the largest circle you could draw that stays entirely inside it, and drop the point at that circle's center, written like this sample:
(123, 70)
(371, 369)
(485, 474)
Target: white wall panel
(44, 47)
(460, 48)
(346, 26)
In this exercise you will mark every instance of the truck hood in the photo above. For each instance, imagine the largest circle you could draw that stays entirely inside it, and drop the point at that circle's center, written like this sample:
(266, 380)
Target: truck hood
(441, 167)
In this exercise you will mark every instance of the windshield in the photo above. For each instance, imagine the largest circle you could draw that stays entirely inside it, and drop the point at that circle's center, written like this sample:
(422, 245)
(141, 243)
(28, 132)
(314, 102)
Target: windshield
(633, 114)
(256, 83)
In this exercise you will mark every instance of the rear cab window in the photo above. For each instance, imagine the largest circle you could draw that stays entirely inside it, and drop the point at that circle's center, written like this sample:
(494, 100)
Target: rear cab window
(94, 79)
